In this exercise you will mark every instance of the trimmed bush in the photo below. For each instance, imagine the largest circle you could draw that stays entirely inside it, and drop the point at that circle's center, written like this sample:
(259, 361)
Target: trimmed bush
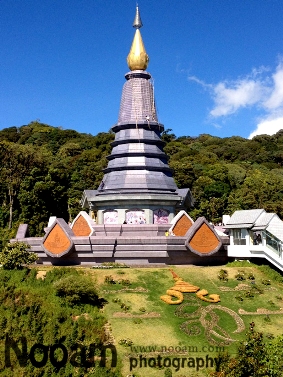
(223, 275)
(76, 290)
(125, 282)
(109, 279)
(240, 276)
(251, 276)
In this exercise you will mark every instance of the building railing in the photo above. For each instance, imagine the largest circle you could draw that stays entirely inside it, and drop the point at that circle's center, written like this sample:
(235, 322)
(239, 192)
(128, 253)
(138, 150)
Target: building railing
(239, 241)
(273, 243)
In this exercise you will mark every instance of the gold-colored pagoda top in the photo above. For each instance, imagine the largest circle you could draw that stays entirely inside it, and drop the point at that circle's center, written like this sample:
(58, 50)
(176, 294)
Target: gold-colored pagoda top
(137, 58)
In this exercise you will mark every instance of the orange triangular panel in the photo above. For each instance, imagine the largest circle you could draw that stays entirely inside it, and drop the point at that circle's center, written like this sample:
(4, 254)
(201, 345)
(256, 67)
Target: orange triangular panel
(181, 224)
(81, 227)
(202, 239)
(57, 241)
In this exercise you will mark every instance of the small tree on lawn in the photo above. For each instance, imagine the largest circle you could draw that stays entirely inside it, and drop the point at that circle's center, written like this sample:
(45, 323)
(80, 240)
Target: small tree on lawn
(252, 359)
(16, 255)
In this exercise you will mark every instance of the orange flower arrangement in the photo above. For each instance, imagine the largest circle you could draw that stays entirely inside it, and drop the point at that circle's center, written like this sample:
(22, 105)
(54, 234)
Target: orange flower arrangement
(181, 287)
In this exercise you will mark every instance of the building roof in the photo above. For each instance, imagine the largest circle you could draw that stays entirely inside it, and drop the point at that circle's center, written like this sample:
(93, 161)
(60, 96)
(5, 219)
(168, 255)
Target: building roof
(275, 227)
(137, 163)
(137, 58)
(244, 218)
(263, 220)
(256, 220)
(138, 166)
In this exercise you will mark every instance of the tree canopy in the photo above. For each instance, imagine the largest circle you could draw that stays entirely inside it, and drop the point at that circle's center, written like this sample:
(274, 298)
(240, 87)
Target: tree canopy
(45, 169)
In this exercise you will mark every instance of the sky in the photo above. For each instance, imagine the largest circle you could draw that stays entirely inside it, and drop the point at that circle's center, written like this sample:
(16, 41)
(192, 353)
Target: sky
(216, 65)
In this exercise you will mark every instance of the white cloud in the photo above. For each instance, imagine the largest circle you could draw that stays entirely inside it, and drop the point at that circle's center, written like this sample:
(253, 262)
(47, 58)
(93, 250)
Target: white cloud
(217, 126)
(268, 127)
(273, 120)
(276, 98)
(198, 81)
(261, 90)
(229, 97)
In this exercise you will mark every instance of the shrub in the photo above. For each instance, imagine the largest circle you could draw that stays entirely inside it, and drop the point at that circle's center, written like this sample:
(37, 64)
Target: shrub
(257, 289)
(223, 275)
(269, 336)
(58, 273)
(267, 318)
(266, 282)
(114, 265)
(124, 307)
(126, 342)
(168, 372)
(240, 276)
(76, 290)
(249, 294)
(16, 255)
(251, 276)
(239, 298)
(109, 279)
(271, 274)
(126, 282)
(137, 321)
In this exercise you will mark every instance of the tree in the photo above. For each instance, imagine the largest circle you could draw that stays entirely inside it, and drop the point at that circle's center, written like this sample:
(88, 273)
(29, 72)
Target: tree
(167, 136)
(16, 163)
(43, 194)
(254, 358)
(16, 255)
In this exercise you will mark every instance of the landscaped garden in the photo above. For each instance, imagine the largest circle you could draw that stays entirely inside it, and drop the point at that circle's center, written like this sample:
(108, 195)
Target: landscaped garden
(181, 335)
(142, 323)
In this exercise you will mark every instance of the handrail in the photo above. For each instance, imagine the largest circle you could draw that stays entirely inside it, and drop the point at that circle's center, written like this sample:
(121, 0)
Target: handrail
(273, 243)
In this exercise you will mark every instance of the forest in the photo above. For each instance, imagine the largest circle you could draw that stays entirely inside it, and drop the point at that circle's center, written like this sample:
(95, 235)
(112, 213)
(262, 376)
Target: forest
(45, 169)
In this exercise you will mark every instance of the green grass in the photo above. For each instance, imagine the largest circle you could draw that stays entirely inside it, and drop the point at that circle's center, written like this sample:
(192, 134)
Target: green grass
(170, 330)
(30, 307)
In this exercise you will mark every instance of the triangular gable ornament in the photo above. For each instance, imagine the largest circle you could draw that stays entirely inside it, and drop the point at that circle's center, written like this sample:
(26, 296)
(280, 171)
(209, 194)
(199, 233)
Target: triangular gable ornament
(83, 225)
(57, 241)
(202, 239)
(181, 223)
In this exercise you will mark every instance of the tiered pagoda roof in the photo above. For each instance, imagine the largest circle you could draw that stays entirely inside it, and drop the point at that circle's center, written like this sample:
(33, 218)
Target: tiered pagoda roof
(137, 162)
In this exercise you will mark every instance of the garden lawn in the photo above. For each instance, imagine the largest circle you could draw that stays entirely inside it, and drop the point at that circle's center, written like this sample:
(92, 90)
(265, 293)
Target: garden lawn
(40, 305)
(150, 327)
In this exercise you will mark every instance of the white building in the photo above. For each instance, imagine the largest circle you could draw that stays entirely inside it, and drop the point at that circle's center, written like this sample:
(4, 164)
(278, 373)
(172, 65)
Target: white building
(256, 234)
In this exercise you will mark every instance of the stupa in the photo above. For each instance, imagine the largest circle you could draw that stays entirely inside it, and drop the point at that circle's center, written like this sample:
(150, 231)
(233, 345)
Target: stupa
(138, 185)
(136, 201)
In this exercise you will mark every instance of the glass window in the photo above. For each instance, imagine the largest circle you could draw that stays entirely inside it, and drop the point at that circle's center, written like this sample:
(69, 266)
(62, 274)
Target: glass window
(239, 236)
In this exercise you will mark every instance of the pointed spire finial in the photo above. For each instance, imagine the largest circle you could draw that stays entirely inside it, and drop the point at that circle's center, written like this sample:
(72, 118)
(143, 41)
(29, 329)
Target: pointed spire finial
(137, 58)
(137, 24)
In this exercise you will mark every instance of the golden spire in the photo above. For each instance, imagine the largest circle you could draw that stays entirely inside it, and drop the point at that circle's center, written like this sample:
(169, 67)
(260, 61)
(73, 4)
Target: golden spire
(137, 58)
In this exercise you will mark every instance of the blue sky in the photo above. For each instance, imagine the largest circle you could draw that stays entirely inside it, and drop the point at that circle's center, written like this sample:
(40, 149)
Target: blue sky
(217, 65)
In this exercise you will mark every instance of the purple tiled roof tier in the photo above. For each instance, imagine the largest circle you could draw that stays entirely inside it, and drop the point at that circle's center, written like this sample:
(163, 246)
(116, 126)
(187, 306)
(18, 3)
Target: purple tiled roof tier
(137, 103)
(137, 161)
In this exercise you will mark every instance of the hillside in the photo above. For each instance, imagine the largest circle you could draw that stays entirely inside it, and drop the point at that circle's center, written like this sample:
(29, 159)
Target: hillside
(67, 315)
(45, 169)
